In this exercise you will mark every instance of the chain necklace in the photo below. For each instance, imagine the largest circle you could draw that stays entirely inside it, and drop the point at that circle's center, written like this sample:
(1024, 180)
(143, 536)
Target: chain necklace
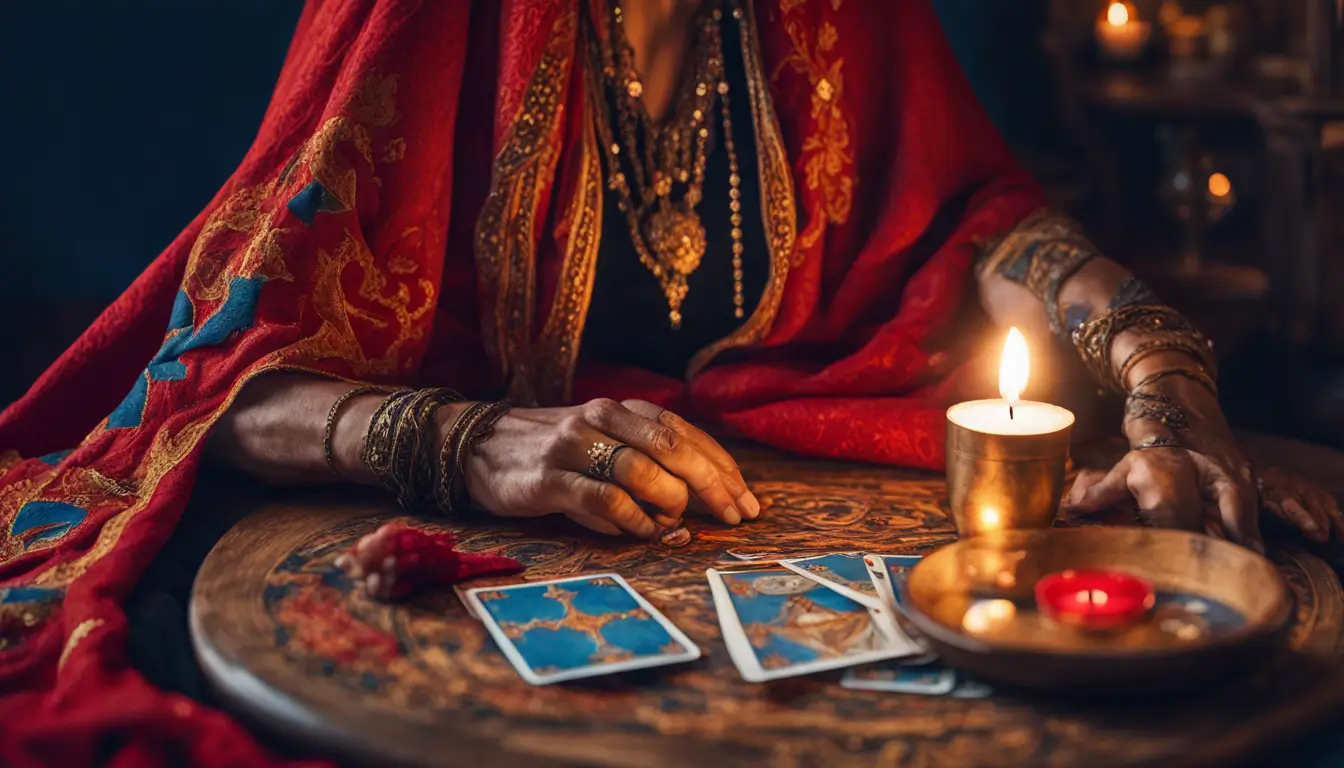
(668, 165)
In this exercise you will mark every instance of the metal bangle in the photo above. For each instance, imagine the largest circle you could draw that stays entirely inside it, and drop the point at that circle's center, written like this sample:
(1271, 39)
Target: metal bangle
(1156, 441)
(329, 429)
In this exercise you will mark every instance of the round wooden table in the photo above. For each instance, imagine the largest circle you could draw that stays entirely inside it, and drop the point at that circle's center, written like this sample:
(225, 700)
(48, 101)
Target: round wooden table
(290, 644)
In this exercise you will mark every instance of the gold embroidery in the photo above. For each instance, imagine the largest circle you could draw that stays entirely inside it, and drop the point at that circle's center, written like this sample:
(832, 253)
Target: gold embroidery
(336, 337)
(557, 351)
(242, 212)
(82, 630)
(778, 207)
(374, 101)
(505, 238)
(394, 151)
(828, 167)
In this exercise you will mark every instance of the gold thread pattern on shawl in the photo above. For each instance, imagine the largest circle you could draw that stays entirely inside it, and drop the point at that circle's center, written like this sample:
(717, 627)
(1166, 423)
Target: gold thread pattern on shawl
(242, 212)
(394, 151)
(828, 164)
(557, 351)
(778, 205)
(505, 231)
(82, 630)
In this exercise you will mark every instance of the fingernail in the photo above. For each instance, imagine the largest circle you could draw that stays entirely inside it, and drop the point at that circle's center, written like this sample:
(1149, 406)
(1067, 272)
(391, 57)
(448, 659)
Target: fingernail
(749, 505)
(731, 515)
(371, 583)
(342, 562)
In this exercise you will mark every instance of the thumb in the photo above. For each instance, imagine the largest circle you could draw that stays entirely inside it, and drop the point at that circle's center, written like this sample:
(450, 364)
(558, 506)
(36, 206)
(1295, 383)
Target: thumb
(1111, 490)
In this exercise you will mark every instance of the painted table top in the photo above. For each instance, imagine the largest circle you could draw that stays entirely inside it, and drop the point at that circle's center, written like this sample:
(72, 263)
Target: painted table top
(292, 645)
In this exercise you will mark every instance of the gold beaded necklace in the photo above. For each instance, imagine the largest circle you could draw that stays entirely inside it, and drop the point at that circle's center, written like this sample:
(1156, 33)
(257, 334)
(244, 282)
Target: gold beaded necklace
(668, 165)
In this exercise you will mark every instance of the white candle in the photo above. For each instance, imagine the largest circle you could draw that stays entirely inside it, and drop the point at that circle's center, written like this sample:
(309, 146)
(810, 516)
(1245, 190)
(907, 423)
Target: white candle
(991, 417)
(1011, 415)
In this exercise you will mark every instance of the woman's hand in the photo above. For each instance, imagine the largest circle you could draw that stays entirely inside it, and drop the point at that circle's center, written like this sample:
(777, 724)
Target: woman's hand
(1173, 487)
(536, 463)
(1301, 503)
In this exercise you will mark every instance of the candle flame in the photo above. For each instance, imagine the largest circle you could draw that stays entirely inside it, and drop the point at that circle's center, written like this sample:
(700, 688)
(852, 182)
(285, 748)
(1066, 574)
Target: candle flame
(1117, 14)
(1014, 368)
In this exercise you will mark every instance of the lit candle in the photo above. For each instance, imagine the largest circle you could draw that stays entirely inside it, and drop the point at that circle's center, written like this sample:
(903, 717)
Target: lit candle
(1120, 33)
(1006, 456)
(1094, 599)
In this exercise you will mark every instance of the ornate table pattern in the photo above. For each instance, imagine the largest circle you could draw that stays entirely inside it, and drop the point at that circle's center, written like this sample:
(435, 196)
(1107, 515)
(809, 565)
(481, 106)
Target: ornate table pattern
(290, 642)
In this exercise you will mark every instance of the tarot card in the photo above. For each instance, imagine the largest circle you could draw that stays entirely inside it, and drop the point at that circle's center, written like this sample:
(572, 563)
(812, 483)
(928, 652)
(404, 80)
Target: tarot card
(576, 627)
(778, 624)
(888, 575)
(926, 676)
(845, 572)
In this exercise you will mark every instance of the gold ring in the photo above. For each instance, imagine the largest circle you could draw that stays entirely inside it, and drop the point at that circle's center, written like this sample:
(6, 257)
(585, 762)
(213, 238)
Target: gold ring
(603, 459)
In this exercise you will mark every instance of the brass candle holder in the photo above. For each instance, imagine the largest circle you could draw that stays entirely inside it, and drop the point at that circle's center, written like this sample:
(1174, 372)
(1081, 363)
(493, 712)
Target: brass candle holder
(1002, 474)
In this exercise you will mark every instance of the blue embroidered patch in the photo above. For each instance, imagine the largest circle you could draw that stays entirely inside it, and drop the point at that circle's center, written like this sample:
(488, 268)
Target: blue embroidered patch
(312, 200)
(30, 595)
(132, 408)
(183, 312)
(237, 313)
(52, 459)
(45, 520)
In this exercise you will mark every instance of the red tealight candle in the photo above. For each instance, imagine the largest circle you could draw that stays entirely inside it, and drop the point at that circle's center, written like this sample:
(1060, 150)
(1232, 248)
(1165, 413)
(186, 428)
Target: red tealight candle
(1094, 599)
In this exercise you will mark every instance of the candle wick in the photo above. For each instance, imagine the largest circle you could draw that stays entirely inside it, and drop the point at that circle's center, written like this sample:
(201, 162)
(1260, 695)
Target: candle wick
(1010, 412)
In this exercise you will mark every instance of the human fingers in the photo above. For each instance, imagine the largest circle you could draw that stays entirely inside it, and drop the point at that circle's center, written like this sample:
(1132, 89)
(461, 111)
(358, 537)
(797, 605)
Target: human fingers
(673, 451)
(1098, 493)
(723, 461)
(1165, 486)
(641, 477)
(1086, 479)
(576, 494)
(1236, 504)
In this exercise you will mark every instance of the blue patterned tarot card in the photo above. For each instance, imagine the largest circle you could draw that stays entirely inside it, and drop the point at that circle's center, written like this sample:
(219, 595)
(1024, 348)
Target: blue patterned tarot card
(845, 572)
(578, 627)
(778, 624)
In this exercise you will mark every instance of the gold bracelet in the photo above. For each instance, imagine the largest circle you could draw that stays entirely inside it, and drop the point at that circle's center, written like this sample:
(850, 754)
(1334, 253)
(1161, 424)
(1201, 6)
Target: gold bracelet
(397, 449)
(474, 426)
(1154, 346)
(330, 427)
(1198, 376)
(1095, 337)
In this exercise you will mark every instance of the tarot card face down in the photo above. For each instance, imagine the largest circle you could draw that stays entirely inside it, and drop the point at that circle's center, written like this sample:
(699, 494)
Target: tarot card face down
(925, 676)
(845, 572)
(778, 624)
(578, 627)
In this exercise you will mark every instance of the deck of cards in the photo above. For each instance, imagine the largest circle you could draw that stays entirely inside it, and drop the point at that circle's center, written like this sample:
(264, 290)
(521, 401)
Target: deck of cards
(779, 619)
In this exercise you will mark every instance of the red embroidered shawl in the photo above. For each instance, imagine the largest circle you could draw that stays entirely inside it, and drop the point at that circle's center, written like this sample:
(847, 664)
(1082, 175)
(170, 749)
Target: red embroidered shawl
(401, 130)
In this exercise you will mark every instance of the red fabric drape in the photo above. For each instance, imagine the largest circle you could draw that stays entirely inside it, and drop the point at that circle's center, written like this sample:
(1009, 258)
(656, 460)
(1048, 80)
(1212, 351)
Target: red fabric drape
(403, 129)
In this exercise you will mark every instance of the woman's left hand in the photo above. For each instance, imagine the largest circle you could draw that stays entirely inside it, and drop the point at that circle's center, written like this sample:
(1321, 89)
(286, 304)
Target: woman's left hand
(1171, 487)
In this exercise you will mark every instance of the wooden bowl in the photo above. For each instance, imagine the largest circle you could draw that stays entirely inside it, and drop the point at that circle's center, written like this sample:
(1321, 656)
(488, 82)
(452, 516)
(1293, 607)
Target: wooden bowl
(1219, 608)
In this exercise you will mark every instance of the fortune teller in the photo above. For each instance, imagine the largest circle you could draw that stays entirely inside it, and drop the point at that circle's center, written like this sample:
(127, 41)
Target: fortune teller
(498, 257)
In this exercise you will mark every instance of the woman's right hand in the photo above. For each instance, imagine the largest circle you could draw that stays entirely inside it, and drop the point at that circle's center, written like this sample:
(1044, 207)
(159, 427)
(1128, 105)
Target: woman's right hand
(536, 463)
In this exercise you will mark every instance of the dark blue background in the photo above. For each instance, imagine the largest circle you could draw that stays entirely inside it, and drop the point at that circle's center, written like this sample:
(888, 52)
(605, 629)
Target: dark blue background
(122, 119)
